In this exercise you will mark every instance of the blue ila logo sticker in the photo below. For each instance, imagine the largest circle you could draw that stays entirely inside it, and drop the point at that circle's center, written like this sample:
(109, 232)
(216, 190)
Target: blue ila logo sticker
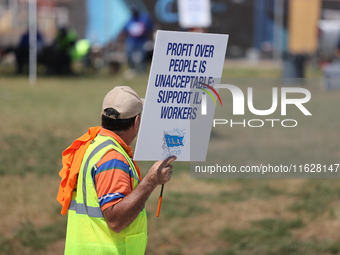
(173, 142)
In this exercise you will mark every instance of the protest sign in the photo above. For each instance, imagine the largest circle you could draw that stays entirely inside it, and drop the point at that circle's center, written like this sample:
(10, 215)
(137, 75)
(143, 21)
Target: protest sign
(194, 13)
(172, 122)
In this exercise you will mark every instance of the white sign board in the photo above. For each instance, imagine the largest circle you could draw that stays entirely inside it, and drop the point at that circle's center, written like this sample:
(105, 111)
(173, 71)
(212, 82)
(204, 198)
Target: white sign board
(172, 122)
(194, 13)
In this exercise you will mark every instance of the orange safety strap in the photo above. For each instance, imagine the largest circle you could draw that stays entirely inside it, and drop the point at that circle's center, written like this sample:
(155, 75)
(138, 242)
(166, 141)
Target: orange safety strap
(72, 158)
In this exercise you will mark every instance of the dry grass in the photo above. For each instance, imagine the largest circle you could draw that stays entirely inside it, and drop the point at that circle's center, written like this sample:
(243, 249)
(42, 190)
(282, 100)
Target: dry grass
(27, 198)
(39, 122)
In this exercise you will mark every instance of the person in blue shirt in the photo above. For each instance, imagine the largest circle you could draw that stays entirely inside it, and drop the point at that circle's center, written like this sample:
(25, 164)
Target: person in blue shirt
(22, 50)
(137, 32)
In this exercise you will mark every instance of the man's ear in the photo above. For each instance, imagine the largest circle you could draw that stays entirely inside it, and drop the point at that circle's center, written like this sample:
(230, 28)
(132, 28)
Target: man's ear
(137, 121)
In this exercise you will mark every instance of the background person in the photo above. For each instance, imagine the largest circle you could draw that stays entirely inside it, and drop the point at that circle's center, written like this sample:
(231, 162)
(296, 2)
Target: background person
(22, 50)
(337, 51)
(137, 33)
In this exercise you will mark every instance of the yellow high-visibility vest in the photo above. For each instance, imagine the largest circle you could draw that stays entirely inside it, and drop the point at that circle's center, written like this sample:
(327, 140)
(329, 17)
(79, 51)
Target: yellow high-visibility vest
(87, 230)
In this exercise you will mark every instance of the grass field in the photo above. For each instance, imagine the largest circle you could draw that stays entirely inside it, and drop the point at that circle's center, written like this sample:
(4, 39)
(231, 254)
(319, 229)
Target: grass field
(198, 216)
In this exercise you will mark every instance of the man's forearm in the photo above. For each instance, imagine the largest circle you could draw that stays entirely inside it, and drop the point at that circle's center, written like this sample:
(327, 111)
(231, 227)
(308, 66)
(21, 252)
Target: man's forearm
(122, 214)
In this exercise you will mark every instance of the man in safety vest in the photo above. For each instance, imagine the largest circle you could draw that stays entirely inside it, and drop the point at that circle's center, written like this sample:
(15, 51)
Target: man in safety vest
(101, 187)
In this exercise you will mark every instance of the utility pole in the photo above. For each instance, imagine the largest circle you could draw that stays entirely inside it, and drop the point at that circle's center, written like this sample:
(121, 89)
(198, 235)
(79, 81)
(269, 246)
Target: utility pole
(32, 30)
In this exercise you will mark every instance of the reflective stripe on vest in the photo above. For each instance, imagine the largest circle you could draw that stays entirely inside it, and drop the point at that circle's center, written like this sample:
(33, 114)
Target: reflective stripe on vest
(93, 153)
(82, 208)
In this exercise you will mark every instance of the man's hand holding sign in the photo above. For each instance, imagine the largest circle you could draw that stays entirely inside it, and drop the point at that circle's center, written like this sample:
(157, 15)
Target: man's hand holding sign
(125, 212)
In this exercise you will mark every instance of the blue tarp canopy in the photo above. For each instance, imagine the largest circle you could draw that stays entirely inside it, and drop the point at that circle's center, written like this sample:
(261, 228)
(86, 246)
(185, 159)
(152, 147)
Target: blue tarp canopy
(105, 20)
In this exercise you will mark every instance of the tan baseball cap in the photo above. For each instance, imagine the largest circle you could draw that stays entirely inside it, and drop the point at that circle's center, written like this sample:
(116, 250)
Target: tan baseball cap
(125, 100)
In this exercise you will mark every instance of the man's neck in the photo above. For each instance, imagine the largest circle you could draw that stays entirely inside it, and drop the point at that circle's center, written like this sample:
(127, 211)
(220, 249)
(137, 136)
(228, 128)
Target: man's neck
(125, 136)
